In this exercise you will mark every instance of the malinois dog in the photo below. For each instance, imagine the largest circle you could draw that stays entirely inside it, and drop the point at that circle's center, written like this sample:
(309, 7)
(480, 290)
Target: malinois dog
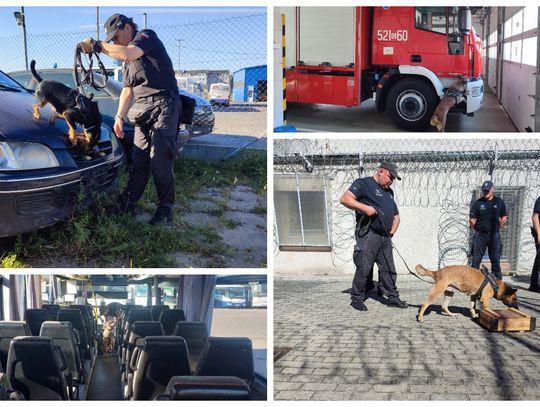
(467, 280)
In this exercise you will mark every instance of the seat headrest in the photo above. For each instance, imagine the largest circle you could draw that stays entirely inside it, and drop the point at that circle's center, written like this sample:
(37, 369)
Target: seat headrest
(147, 328)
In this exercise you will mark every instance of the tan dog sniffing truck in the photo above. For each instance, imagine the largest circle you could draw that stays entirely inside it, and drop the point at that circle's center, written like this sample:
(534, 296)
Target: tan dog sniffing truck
(469, 281)
(454, 95)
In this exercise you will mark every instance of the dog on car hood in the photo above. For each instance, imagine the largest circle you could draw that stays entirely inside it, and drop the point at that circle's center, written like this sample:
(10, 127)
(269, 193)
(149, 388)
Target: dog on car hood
(454, 95)
(70, 105)
(468, 280)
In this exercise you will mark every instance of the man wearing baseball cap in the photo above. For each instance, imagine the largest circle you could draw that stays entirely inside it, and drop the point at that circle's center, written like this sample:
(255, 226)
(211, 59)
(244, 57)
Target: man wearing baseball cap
(149, 80)
(377, 220)
(486, 217)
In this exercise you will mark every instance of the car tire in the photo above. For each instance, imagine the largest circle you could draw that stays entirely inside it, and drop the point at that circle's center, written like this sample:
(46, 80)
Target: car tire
(411, 102)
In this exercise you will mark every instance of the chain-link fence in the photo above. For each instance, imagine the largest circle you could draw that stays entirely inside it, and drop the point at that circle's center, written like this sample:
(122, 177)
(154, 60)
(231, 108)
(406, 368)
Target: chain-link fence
(221, 60)
(440, 179)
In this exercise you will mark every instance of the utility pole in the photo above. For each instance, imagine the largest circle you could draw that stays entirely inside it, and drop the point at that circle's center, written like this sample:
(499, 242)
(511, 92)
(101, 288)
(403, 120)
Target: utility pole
(179, 48)
(19, 18)
(97, 23)
(145, 20)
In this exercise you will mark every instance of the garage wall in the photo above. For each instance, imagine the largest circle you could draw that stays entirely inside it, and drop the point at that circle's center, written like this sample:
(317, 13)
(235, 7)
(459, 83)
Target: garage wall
(510, 49)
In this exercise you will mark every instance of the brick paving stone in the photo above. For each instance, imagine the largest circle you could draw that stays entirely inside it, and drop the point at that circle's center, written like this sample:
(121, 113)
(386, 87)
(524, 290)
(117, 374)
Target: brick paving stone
(331, 395)
(388, 355)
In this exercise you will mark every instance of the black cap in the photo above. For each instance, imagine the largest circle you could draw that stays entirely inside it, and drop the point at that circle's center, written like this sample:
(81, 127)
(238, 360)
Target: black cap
(486, 186)
(387, 165)
(113, 24)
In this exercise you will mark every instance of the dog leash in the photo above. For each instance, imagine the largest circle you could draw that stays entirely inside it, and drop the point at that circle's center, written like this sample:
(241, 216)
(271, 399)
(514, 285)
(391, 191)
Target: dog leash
(87, 74)
(395, 248)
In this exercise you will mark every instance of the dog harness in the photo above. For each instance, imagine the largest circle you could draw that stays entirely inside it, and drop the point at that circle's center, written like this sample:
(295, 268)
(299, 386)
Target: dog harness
(454, 94)
(488, 278)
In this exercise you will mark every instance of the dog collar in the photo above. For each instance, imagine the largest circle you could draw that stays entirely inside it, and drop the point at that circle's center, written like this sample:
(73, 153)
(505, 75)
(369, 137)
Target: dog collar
(91, 127)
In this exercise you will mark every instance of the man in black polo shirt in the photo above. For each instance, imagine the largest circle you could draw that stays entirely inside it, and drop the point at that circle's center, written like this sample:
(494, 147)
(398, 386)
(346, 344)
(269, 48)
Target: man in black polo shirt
(535, 275)
(149, 82)
(377, 219)
(487, 215)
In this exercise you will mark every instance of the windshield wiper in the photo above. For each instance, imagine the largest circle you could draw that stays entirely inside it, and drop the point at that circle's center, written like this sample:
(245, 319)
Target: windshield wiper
(9, 88)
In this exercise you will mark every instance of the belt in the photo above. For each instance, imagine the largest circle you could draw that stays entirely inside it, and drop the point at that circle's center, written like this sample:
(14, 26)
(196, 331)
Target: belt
(383, 234)
(161, 95)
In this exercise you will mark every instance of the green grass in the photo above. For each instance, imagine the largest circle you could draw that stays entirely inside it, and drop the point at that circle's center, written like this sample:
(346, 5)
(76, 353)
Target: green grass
(99, 238)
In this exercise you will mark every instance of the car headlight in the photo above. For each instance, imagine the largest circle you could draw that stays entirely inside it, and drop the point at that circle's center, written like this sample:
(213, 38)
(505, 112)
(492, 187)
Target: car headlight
(477, 91)
(26, 156)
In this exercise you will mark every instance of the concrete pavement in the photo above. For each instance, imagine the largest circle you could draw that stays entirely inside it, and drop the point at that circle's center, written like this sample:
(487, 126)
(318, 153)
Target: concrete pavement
(339, 353)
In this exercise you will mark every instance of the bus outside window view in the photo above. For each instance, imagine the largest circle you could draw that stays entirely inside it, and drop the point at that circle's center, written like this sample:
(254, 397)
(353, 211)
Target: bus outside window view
(147, 337)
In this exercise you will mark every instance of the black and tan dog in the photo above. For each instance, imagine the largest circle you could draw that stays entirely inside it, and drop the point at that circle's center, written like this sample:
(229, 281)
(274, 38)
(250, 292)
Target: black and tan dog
(71, 106)
(468, 280)
(454, 95)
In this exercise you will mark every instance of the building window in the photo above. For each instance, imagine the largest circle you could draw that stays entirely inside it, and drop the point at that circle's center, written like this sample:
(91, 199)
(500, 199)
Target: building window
(511, 232)
(301, 211)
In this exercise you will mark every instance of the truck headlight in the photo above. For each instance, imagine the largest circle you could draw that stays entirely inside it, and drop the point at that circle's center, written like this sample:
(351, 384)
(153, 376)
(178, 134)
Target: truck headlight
(477, 91)
(25, 156)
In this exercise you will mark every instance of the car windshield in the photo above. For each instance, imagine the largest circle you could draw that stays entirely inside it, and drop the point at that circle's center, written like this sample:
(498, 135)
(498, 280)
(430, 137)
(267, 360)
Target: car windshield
(7, 83)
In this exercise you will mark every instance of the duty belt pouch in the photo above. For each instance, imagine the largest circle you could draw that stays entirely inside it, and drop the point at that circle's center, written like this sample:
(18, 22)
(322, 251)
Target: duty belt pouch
(187, 109)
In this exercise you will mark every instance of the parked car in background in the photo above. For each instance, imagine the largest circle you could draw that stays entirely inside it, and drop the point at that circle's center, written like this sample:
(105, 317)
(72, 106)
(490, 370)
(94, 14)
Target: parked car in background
(42, 179)
(219, 94)
(108, 97)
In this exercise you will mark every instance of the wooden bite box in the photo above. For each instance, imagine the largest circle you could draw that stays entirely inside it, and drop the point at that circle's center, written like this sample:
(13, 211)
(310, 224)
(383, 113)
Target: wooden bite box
(506, 320)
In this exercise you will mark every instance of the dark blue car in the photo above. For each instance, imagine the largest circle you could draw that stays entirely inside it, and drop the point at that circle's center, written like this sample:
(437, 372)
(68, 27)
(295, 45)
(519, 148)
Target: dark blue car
(42, 180)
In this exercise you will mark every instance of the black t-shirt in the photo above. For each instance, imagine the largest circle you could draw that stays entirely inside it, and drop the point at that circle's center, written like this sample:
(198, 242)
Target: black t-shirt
(488, 213)
(537, 206)
(367, 191)
(152, 73)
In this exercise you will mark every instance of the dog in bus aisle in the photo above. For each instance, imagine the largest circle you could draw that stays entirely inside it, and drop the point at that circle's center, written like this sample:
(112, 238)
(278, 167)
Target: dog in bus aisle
(72, 106)
(453, 96)
(467, 280)
(109, 339)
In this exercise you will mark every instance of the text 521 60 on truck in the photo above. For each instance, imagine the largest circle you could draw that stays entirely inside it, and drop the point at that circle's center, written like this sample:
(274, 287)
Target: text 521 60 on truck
(402, 57)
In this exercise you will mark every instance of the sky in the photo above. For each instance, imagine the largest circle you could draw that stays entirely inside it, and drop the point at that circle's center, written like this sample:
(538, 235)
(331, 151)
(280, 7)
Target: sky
(51, 33)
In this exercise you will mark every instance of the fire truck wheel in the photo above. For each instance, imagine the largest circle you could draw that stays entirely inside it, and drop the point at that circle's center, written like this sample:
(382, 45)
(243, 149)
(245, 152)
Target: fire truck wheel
(411, 103)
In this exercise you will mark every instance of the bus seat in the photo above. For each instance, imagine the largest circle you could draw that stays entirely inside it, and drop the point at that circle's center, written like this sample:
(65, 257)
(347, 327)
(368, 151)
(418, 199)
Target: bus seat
(8, 331)
(156, 311)
(34, 318)
(53, 310)
(227, 357)
(63, 336)
(161, 358)
(169, 318)
(34, 369)
(196, 335)
(74, 316)
(140, 329)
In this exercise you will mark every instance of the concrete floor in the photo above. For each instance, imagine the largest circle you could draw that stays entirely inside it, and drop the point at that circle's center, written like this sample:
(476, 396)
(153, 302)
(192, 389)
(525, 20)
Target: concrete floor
(329, 118)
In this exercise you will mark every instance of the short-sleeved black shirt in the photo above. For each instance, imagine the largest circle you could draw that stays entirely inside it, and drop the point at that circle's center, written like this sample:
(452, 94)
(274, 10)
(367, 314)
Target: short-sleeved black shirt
(488, 213)
(537, 206)
(367, 191)
(152, 73)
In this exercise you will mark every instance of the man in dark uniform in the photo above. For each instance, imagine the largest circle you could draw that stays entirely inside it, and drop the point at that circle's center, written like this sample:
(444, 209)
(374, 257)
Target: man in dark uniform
(535, 275)
(487, 215)
(149, 79)
(377, 220)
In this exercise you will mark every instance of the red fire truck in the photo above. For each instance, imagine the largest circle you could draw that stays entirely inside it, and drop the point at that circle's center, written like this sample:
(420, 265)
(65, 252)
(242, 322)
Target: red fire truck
(402, 57)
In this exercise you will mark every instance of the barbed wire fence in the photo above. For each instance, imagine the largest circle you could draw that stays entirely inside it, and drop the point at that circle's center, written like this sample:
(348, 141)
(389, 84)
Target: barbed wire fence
(230, 50)
(437, 174)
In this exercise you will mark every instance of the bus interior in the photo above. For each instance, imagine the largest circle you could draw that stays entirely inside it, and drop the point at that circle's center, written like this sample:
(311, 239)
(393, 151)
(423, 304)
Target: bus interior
(132, 337)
